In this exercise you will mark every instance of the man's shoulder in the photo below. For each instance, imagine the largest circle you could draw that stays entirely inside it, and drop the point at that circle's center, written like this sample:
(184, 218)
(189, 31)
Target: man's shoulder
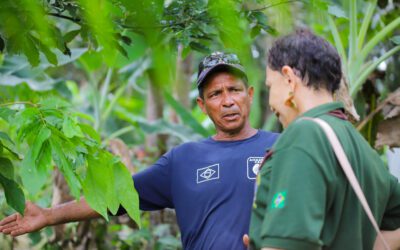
(268, 136)
(190, 145)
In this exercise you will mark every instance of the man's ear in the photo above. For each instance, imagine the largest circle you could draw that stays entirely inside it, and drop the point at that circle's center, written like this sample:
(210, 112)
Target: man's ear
(290, 77)
(200, 102)
(250, 92)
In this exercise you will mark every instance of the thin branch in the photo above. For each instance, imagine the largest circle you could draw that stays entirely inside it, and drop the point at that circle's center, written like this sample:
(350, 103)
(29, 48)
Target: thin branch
(75, 20)
(149, 27)
(275, 4)
(13, 103)
(379, 108)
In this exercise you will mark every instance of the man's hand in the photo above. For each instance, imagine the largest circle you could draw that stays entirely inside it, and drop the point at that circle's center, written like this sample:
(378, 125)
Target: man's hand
(34, 219)
(246, 240)
(391, 237)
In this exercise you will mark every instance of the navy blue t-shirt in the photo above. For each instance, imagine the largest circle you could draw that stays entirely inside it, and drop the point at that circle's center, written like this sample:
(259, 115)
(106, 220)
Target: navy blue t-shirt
(211, 186)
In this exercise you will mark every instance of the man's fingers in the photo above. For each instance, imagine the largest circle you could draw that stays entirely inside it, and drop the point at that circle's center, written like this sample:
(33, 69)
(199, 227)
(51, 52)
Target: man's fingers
(8, 219)
(246, 240)
(9, 225)
(8, 230)
(17, 232)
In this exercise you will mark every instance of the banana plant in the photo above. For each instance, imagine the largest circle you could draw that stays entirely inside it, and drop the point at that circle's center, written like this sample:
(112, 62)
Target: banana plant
(356, 63)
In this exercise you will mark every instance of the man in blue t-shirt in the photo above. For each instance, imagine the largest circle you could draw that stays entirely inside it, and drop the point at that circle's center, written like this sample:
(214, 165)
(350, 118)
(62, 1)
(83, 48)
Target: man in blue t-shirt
(210, 183)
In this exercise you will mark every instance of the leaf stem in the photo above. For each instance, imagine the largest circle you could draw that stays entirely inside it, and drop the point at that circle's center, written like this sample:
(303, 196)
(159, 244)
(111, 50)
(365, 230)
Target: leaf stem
(22, 102)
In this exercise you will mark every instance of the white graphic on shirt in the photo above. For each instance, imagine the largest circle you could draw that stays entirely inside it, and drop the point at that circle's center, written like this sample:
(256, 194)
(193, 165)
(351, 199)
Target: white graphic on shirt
(208, 173)
(253, 166)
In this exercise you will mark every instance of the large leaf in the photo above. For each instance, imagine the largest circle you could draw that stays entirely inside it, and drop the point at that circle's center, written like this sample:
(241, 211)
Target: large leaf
(90, 131)
(337, 11)
(396, 40)
(54, 103)
(65, 166)
(43, 135)
(6, 168)
(6, 113)
(4, 136)
(96, 185)
(71, 128)
(14, 195)
(126, 192)
(32, 179)
(186, 116)
(34, 176)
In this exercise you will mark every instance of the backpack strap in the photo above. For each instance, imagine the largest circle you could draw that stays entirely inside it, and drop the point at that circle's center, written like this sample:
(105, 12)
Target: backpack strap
(348, 170)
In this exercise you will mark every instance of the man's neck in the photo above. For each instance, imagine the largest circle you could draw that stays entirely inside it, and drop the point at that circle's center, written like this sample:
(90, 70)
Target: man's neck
(241, 135)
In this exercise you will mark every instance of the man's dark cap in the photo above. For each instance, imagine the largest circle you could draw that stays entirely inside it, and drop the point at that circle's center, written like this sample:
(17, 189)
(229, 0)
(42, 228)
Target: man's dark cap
(219, 61)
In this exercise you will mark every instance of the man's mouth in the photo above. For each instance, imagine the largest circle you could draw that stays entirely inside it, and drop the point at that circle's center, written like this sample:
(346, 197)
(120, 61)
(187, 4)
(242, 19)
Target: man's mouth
(230, 116)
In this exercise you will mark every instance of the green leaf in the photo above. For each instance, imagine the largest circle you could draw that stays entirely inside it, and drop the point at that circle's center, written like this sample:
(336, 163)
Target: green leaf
(54, 103)
(337, 11)
(51, 57)
(260, 17)
(126, 192)
(122, 50)
(65, 166)
(26, 122)
(90, 131)
(2, 44)
(96, 184)
(186, 117)
(43, 135)
(14, 195)
(6, 168)
(396, 40)
(126, 39)
(31, 52)
(69, 36)
(43, 161)
(13, 155)
(5, 136)
(71, 128)
(32, 179)
(255, 31)
(199, 47)
(6, 113)
(24, 117)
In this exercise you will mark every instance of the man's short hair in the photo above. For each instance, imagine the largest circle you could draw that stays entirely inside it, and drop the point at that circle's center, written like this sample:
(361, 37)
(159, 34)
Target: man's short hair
(313, 59)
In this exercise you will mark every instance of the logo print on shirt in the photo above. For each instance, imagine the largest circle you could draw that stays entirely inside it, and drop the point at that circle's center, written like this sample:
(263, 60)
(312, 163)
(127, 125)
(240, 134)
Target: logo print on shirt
(208, 173)
(278, 201)
(253, 166)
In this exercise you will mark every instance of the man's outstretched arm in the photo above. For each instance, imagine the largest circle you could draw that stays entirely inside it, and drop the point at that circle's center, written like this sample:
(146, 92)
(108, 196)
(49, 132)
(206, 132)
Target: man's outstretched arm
(36, 218)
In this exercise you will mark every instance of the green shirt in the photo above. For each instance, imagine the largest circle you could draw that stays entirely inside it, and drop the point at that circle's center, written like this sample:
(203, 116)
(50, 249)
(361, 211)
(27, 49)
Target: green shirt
(304, 200)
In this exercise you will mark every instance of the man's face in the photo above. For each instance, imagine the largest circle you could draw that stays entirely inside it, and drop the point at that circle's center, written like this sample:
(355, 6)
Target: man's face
(227, 102)
(278, 96)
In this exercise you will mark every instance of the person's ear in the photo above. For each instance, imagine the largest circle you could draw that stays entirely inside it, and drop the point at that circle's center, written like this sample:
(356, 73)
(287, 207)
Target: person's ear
(290, 77)
(200, 102)
(250, 92)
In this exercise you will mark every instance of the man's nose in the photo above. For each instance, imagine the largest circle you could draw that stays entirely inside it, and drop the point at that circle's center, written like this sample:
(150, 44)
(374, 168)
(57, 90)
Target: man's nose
(227, 100)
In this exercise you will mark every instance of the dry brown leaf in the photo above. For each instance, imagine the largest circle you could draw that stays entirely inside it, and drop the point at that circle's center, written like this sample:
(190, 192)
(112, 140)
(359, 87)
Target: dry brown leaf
(388, 133)
(392, 108)
(342, 94)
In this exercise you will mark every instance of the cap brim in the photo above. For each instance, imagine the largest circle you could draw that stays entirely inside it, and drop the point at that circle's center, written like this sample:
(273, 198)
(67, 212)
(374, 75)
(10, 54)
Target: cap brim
(219, 67)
